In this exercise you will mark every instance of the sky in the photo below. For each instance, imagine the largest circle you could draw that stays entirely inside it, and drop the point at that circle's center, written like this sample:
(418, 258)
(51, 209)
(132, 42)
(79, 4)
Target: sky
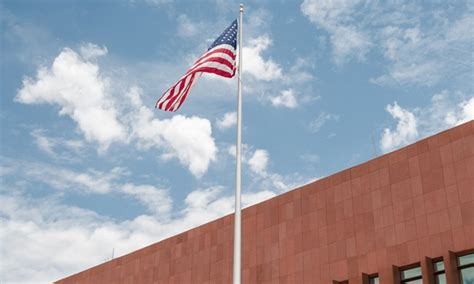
(89, 167)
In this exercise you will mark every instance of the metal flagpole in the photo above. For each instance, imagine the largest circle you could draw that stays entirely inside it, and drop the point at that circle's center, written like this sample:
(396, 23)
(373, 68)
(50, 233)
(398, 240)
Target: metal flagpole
(237, 218)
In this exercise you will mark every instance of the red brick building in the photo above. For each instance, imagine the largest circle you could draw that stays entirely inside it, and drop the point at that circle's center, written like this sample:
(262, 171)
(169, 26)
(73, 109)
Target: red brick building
(398, 218)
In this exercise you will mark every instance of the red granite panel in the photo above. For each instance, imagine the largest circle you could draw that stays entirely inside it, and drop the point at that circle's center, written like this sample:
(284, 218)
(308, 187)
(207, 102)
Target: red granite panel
(467, 212)
(455, 216)
(465, 190)
(470, 165)
(462, 172)
(394, 210)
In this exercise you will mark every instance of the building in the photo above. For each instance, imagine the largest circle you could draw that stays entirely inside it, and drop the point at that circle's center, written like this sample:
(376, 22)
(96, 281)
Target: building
(399, 218)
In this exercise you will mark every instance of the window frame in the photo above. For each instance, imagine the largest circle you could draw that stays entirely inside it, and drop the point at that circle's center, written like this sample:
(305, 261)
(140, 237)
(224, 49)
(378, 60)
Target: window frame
(408, 267)
(435, 271)
(460, 267)
(372, 277)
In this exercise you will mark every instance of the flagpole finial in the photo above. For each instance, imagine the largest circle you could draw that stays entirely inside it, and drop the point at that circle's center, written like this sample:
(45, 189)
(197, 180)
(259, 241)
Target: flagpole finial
(241, 7)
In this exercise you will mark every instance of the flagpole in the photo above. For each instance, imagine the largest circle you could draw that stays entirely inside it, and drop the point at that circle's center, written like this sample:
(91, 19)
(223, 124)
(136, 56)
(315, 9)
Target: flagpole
(237, 216)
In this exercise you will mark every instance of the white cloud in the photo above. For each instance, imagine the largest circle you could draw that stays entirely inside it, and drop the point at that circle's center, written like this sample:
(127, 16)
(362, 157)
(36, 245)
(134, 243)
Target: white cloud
(228, 120)
(40, 227)
(310, 158)
(406, 49)
(405, 132)
(467, 110)
(328, 14)
(425, 56)
(74, 84)
(287, 98)
(91, 182)
(77, 87)
(91, 51)
(187, 28)
(50, 145)
(43, 142)
(189, 139)
(255, 64)
(262, 178)
(419, 48)
(157, 201)
(316, 124)
(258, 162)
(155, 2)
(348, 41)
(444, 111)
(300, 71)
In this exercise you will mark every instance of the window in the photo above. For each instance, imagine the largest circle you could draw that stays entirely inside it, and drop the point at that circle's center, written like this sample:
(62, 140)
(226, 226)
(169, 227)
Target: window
(466, 268)
(411, 274)
(439, 271)
(374, 279)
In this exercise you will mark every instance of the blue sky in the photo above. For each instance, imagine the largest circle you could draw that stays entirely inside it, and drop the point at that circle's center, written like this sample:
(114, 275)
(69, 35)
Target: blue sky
(89, 166)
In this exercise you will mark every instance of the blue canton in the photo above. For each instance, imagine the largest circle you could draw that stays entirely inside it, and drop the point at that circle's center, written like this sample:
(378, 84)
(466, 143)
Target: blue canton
(229, 36)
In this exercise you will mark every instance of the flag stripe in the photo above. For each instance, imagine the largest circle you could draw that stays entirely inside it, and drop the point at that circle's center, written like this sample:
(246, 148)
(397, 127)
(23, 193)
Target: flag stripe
(180, 87)
(218, 52)
(177, 91)
(185, 94)
(176, 99)
(219, 60)
(219, 63)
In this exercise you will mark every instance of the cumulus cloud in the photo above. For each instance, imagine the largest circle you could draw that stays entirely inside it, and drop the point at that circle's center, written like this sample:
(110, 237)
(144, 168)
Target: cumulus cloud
(467, 107)
(259, 160)
(287, 99)
(444, 111)
(177, 135)
(255, 64)
(405, 132)
(40, 227)
(75, 85)
(157, 201)
(228, 120)
(263, 178)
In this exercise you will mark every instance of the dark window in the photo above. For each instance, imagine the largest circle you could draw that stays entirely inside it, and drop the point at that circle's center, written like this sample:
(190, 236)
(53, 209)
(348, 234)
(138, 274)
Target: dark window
(411, 274)
(439, 271)
(466, 268)
(374, 279)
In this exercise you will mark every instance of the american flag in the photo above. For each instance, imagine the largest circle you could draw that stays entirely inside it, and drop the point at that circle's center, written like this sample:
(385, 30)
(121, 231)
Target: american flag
(219, 59)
